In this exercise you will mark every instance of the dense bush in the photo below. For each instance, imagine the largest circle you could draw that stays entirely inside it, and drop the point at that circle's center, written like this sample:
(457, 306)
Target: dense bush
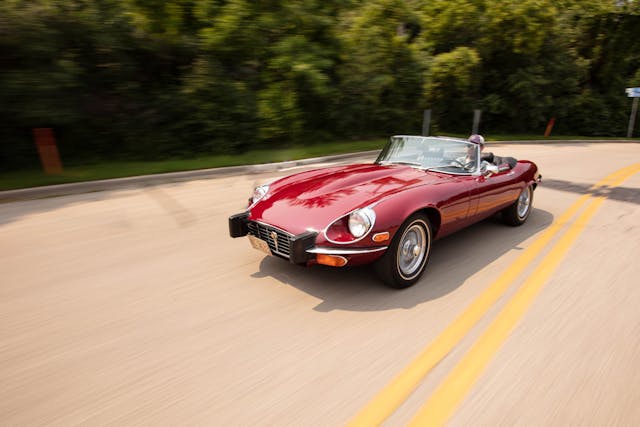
(155, 79)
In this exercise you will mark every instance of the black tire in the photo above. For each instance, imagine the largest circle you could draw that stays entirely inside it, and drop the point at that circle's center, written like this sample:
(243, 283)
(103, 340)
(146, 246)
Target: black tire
(406, 258)
(519, 211)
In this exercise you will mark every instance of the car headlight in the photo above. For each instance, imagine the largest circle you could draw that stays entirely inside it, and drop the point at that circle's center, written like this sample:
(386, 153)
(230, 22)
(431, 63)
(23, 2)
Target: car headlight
(259, 192)
(361, 221)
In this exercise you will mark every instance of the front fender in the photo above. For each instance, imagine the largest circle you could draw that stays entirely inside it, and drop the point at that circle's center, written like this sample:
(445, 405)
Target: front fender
(391, 213)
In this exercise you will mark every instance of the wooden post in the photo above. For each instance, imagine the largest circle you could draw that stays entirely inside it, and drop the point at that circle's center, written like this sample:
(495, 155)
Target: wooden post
(632, 118)
(48, 151)
(426, 122)
(547, 132)
(476, 121)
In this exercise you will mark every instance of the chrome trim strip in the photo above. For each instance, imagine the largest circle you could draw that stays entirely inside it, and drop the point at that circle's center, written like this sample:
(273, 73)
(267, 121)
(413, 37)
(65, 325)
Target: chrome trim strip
(345, 251)
(435, 169)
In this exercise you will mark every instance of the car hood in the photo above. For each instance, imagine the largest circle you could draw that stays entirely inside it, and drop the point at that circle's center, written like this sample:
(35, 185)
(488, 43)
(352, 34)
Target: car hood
(312, 200)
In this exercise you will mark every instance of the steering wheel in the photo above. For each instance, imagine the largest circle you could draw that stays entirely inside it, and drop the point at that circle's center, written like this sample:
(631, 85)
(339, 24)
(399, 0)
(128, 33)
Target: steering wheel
(466, 166)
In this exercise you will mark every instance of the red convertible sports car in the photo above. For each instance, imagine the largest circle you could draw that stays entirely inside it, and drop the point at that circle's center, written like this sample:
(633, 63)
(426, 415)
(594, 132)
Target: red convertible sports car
(389, 212)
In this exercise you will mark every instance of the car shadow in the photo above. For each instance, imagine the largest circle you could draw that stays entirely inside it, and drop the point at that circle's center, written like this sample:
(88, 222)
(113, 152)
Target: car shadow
(621, 194)
(454, 259)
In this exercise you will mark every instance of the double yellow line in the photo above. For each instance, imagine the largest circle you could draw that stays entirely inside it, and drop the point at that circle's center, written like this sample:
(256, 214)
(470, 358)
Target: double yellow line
(454, 388)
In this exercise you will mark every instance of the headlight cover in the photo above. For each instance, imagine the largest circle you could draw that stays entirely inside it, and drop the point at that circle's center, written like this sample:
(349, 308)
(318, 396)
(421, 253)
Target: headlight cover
(259, 192)
(361, 221)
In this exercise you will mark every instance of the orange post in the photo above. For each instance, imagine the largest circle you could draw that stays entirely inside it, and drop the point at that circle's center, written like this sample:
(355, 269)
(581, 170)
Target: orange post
(48, 151)
(552, 121)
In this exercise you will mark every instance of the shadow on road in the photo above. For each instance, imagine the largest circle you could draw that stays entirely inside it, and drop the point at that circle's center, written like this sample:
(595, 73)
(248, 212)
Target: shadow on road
(17, 210)
(621, 194)
(14, 211)
(454, 260)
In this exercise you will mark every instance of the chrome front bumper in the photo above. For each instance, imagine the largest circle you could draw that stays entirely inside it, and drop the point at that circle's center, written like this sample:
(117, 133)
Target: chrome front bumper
(344, 251)
(299, 249)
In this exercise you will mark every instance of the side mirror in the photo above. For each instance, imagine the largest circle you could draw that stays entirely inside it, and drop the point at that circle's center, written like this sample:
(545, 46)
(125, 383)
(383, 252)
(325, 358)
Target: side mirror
(491, 169)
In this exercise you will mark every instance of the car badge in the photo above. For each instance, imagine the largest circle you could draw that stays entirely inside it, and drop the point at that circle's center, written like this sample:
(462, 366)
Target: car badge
(274, 237)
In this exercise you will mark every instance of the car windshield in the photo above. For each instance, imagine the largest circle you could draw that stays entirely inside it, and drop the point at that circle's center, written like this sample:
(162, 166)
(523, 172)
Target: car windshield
(443, 154)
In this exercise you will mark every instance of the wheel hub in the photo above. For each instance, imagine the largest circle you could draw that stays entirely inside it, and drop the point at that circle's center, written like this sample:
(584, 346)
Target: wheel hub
(407, 248)
(412, 250)
(523, 203)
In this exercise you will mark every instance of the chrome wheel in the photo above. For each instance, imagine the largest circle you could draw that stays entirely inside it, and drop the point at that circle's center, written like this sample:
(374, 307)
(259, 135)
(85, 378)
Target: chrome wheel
(524, 202)
(517, 213)
(412, 250)
(406, 259)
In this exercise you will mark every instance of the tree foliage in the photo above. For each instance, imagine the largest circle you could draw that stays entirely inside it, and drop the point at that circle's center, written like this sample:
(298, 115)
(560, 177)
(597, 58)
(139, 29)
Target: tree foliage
(152, 79)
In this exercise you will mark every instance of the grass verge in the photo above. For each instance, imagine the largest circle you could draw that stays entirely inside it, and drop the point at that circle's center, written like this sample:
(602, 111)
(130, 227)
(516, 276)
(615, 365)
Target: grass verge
(10, 180)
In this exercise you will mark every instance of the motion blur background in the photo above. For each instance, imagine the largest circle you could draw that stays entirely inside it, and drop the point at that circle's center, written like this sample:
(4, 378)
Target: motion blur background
(144, 79)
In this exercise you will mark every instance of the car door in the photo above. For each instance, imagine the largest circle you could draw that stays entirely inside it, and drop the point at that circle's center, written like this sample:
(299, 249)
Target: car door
(455, 203)
(493, 192)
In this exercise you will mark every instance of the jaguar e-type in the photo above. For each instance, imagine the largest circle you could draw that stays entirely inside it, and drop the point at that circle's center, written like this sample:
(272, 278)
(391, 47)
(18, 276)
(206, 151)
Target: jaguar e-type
(388, 212)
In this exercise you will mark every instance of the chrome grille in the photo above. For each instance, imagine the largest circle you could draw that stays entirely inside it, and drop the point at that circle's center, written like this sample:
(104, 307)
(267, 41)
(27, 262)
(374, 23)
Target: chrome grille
(267, 233)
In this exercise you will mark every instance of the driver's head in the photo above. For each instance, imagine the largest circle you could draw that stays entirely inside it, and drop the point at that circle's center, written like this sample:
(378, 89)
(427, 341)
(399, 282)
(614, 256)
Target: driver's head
(477, 139)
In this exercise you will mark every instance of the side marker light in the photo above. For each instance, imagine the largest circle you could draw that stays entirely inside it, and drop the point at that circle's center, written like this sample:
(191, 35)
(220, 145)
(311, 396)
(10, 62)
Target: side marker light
(331, 260)
(380, 237)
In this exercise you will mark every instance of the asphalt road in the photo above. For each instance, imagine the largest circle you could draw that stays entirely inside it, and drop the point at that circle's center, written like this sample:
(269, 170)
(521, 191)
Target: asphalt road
(133, 306)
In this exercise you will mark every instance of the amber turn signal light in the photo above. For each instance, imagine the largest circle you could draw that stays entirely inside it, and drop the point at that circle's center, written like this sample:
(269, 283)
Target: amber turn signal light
(380, 237)
(332, 260)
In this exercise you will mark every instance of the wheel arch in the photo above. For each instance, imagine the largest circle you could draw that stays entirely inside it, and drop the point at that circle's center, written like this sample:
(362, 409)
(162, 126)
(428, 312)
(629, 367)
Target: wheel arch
(434, 218)
(394, 211)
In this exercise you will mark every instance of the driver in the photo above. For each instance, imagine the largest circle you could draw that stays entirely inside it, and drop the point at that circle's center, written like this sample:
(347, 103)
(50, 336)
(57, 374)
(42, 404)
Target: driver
(469, 161)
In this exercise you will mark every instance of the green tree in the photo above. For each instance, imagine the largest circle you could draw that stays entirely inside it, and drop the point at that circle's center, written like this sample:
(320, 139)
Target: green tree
(452, 88)
(381, 70)
(151, 78)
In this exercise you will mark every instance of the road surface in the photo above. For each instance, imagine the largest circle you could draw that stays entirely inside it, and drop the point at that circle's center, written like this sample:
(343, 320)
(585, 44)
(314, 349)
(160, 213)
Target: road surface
(133, 307)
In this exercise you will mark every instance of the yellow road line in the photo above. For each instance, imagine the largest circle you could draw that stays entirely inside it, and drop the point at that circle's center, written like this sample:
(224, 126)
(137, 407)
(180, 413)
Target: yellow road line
(619, 177)
(455, 387)
(399, 389)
